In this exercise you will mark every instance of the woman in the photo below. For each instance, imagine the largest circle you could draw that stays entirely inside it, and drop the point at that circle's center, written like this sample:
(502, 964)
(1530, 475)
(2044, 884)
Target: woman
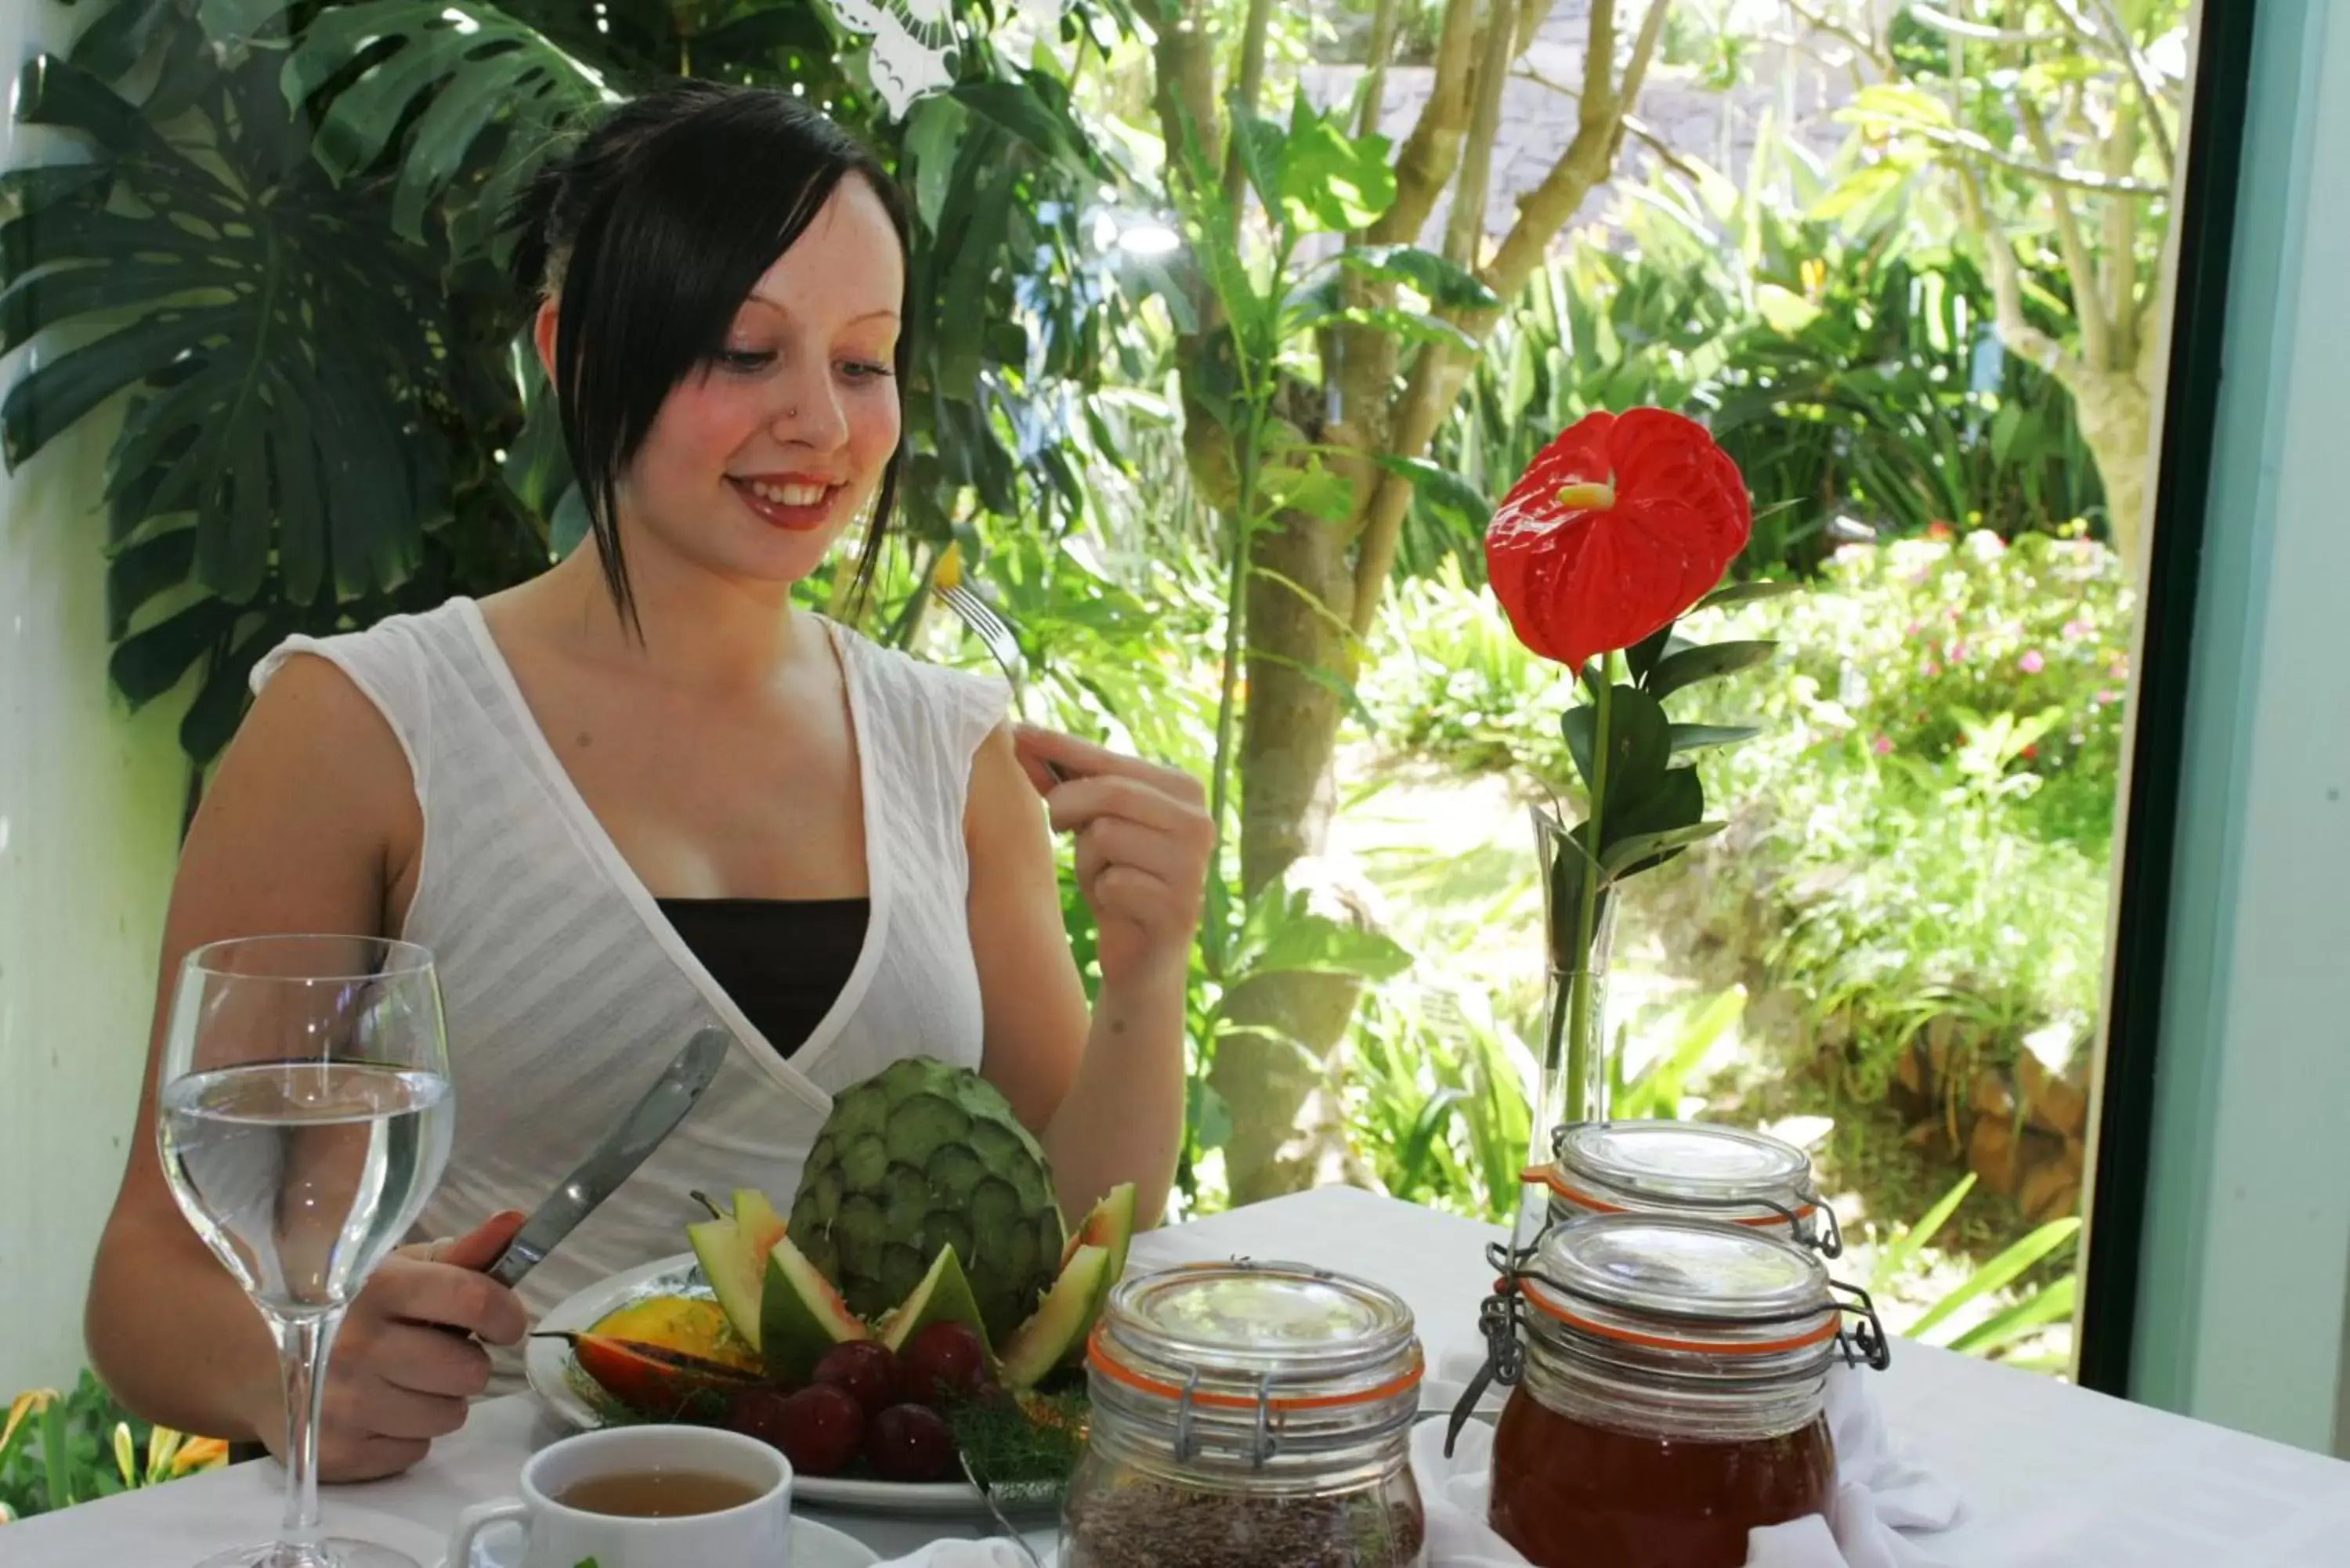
(641, 794)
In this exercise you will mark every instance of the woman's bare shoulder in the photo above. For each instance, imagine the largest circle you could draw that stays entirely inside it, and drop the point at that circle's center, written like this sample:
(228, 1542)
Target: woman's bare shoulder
(310, 814)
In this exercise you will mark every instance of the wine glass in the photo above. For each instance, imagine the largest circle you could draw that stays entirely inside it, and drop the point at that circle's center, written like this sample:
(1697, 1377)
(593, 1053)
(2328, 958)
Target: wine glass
(304, 1113)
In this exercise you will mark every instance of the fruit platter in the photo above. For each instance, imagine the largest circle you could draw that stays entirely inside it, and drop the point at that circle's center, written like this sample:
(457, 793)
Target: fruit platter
(917, 1321)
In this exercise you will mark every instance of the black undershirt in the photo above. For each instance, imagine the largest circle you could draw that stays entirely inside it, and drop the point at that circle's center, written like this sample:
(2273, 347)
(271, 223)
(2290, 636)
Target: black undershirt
(783, 961)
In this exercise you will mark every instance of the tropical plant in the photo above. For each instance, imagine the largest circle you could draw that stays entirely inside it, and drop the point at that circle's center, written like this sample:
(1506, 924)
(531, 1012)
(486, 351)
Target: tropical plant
(58, 1449)
(1992, 1332)
(1848, 363)
(2055, 124)
(1359, 402)
(283, 248)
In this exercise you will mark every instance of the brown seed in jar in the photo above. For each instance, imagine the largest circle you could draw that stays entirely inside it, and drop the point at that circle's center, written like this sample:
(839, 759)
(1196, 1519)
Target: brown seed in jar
(1145, 1524)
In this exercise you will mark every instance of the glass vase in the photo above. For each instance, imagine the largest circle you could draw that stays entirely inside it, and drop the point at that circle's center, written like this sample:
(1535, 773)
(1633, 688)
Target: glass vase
(1571, 1051)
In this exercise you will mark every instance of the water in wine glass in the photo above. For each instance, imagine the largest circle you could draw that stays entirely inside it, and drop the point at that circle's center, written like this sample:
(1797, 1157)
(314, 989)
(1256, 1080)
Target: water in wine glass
(302, 1174)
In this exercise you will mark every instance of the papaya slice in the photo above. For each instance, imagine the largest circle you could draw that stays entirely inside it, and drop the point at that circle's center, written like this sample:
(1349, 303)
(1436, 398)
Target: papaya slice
(656, 1382)
(696, 1325)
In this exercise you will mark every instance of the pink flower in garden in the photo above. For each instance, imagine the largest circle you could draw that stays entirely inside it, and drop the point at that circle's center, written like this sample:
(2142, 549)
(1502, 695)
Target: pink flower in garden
(1957, 653)
(2032, 663)
(1931, 670)
(1882, 746)
(1913, 628)
(2074, 631)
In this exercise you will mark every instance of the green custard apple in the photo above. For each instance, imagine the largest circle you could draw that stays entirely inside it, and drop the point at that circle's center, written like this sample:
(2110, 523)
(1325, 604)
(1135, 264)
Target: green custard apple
(919, 1158)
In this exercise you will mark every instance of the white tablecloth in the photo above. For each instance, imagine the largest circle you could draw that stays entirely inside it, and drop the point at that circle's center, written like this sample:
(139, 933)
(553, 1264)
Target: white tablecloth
(2054, 1477)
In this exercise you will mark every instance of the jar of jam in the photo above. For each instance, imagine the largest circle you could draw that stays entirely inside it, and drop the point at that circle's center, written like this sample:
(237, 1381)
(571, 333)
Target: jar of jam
(1671, 1395)
(1247, 1414)
(1690, 1169)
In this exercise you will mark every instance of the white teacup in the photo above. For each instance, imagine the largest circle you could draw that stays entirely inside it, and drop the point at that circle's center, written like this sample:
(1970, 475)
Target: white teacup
(561, 1536)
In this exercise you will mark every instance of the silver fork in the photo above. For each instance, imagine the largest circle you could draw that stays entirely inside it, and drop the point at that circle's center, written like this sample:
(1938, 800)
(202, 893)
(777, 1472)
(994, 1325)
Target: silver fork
(994, 634)
(987, 1491)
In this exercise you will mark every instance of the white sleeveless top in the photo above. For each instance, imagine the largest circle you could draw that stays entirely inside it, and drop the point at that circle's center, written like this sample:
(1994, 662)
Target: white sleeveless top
(567, 991)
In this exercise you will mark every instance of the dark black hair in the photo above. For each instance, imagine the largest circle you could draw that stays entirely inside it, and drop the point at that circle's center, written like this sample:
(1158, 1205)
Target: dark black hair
(651, 231)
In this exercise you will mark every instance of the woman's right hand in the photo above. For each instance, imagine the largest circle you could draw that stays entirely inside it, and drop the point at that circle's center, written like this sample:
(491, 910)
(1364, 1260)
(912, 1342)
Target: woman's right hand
(408, 1357)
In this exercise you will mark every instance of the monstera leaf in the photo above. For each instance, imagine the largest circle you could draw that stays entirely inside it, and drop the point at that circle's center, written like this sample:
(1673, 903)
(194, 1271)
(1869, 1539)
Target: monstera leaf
(273, 454)
(276, 254)
(446, 76)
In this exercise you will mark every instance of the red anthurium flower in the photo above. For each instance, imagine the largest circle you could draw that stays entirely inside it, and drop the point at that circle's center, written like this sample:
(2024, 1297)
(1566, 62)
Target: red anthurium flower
(1618, 527)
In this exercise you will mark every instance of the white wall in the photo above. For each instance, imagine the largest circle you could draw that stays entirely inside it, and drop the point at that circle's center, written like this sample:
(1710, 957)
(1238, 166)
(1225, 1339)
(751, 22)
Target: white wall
(90, 801)
(2247, 1261)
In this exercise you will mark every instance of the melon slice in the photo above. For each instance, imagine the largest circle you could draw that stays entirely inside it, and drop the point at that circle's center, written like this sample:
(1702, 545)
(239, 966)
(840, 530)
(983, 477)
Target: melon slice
(1059, 1324)
(756, 1217)
(736, 1278)
(943, 1295)
(801, 1316)
(1110, 1226)
(732, 1251)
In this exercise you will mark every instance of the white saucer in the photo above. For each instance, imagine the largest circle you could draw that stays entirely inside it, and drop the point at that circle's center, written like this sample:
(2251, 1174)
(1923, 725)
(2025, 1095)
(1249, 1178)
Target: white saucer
(814, 1545)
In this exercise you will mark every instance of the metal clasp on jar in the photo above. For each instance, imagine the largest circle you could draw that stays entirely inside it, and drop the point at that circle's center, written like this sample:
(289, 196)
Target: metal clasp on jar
(1261, 1447)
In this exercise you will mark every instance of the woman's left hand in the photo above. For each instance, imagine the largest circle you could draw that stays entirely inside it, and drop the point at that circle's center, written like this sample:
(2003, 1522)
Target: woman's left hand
(1143, 838)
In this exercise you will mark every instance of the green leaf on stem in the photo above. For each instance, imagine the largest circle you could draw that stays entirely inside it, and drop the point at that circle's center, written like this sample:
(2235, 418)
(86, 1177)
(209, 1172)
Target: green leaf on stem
(1330, 181)
(1261, 148)
(2001, 1270)
(1698, 737)
(1285, 934)
(1643, 655)
(1639, 744)
(1444, 283)
(1708, 661)
(1746, 593)
(1624, 855)
(1208, 1116)
(1445, 492)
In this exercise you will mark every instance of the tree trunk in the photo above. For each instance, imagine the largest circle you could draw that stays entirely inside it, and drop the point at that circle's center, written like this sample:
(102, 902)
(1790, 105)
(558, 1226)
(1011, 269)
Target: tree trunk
(1275, 1072)
(2116, 416)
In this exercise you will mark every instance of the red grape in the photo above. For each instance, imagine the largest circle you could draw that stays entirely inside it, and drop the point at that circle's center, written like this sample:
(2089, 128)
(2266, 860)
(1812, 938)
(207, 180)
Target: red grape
(759, 1413)
(865, 1368)
(819, 1429)
(911, 1443)
(942, 1364)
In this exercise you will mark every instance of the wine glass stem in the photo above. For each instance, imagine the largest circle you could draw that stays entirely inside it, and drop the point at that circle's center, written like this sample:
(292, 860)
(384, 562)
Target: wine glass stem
(304, 1342)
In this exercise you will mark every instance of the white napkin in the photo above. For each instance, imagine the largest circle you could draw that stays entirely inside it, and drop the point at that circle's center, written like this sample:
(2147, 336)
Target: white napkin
(1881, 1491)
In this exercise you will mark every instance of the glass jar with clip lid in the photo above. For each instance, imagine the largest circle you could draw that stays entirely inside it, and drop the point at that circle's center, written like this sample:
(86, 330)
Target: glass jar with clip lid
(1693, 1169)
(1668, 1382)
(1247, 1414)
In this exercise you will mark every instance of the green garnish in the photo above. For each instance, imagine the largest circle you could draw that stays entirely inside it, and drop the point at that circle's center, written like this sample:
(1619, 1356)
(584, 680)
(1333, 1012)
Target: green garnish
(1012, 1439)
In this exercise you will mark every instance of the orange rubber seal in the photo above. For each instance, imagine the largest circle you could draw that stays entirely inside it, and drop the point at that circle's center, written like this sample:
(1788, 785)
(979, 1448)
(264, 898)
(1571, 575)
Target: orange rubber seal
(1549, 1175)
(1819, 1335)
(1099, 1358)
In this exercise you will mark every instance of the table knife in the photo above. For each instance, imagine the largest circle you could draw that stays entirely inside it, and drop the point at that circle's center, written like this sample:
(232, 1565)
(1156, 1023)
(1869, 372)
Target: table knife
(612, 1162)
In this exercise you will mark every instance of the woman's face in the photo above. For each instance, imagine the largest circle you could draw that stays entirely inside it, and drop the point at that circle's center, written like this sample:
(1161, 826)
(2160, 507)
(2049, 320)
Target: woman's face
(757, 463)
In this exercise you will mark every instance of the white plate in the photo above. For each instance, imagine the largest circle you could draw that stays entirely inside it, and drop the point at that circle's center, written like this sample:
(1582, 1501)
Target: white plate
(548, 1364)
(814, 1545)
